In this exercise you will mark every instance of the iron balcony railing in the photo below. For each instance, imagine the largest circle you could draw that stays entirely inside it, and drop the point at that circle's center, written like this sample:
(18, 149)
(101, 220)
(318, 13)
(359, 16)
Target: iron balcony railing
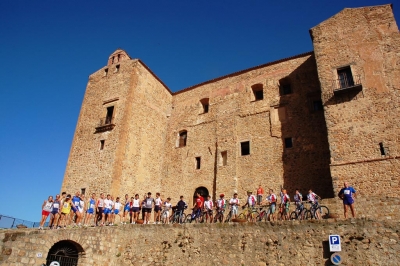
(347, 83)
(105, 124)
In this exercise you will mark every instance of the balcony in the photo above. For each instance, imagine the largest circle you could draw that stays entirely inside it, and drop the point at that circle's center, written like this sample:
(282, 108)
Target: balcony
(105, 124)
(347, 83)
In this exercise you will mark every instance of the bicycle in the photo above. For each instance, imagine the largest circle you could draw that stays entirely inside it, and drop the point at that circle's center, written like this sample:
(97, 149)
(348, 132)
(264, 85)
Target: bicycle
(249, 214)
(178, 217)
(299, 213)
(219, 216)
(196, 216)
(207, 215)
(317, 211)
(263, 215)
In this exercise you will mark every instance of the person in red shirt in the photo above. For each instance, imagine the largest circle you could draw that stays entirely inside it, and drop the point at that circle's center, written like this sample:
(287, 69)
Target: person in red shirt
(260, 193)
(198, 206)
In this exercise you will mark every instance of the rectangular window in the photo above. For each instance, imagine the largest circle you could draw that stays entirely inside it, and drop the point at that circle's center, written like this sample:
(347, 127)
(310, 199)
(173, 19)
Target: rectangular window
(83, 190)
(382, 149)
(198, 162)
(109, 117)
(245, 148)
(286, 89)
(317, 105)
(258, 92)
(288, 143)
(182, 138)
(224, 158)
(105, 72)
(116, 68)
(102, 144)
(205, 103)
(345, 77)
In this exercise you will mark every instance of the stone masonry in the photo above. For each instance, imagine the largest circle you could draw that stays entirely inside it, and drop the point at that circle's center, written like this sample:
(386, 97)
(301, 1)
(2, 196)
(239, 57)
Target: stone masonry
(364, 242)
(309, 121)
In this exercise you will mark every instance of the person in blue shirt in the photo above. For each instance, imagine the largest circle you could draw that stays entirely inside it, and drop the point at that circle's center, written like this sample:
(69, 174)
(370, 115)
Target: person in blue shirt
(347, 194)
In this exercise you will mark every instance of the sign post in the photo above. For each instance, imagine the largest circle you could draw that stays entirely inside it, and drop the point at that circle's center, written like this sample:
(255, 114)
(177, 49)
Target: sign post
(334, 243)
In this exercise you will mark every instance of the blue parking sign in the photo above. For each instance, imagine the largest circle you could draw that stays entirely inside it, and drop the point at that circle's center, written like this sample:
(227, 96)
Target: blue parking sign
(334, 243)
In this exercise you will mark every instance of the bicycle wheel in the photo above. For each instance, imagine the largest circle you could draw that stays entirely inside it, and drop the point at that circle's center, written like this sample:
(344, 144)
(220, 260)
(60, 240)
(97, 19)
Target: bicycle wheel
(221, 217)
(242, 216)
(228, 217)
(182, 218)
(293, 215)
(323, 212)
(307, 215)
(253, 216)
(188, 219)
(302, 215)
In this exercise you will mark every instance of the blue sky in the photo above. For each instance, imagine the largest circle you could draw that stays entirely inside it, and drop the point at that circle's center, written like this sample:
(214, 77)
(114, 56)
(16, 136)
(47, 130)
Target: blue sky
(49, 48)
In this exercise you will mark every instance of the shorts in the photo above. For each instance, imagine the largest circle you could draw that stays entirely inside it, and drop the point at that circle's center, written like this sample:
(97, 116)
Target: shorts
(272, 208)
(90, 211)
(157, 208)
(135, 209)
(165, 214)
(235, 210)
(100, 210)
(45, 213)
(348, 201)
(126, 209)
(116, 211)
(107, 211)
(74, 209)
(54, 212)
(146, 210)
(210, 212)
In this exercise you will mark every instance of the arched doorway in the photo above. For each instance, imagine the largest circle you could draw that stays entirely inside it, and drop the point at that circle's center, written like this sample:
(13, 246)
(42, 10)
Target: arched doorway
(203, 191)
(65, 252)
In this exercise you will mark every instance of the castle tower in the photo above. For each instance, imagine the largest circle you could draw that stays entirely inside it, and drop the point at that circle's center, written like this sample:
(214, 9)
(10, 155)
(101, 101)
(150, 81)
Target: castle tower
(120, 135)
(357, 54)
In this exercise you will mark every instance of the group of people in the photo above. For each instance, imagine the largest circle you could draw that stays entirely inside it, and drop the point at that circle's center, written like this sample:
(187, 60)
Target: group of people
(67, 210)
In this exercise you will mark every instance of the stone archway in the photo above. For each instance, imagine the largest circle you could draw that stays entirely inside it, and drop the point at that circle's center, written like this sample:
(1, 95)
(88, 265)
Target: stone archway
(65, 252)
(203, 191)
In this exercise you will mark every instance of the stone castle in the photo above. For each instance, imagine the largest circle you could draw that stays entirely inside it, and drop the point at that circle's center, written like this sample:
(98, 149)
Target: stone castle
(312, 120)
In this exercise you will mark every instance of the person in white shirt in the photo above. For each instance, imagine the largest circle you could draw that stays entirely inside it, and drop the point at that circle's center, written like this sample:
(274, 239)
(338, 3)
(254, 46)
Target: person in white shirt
(157, 208)
(166, 212)
(234, 203)
(208, 206)
(117, 210)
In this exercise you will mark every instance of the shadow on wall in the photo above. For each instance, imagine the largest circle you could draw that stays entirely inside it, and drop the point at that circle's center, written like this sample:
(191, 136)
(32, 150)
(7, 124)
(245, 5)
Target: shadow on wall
(305, 154)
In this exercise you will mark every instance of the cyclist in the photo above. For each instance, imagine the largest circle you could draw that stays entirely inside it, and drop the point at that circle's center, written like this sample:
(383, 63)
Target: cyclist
(285, 203)
(208, 206)
(148, 206)
(234, 203)
(272, 205)
(198, 206)
(313, 200)
(181, 206)
(221, 206)
(298, 201)
(251, 202)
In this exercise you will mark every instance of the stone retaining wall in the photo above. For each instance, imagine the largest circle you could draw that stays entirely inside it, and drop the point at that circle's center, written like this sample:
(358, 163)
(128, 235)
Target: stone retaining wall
(364, 242)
